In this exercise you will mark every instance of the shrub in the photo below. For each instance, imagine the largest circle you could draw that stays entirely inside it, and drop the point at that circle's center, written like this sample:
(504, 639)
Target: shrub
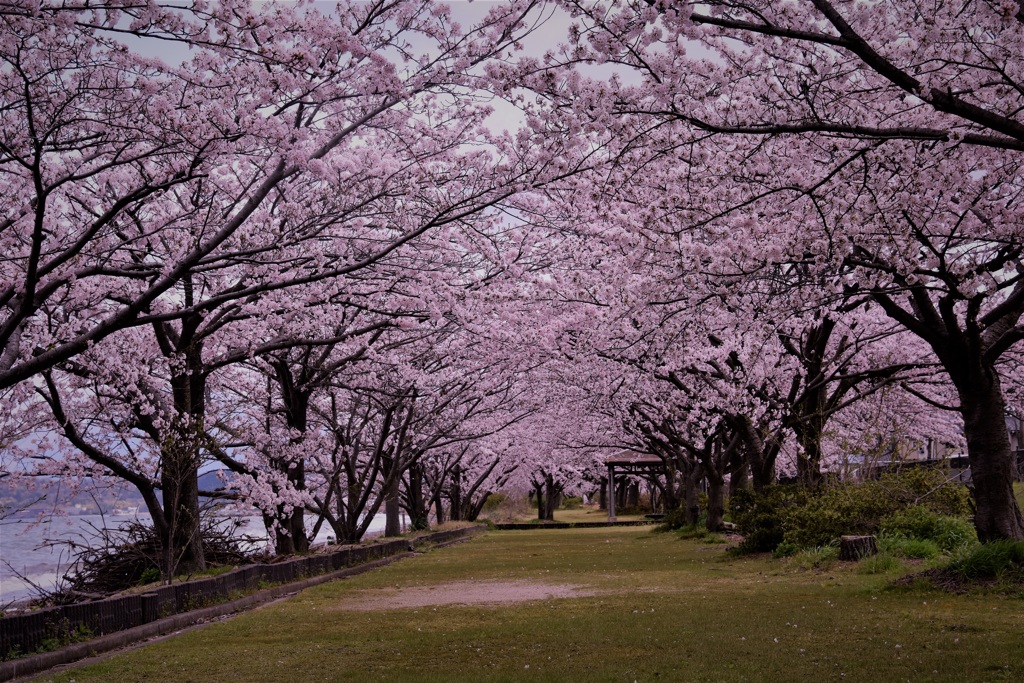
(807, 519)
(931, 487)
(572, 503)
(914, 548)
(831, 513)
(493, 501)
(785, 549)
(149, 575)
(760, 516)
(988, 560)
(673, 520)
(954, 532)
(919, 522)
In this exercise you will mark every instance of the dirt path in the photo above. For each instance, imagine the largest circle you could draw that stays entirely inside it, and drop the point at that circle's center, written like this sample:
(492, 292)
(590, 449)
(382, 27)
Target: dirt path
(461, 593)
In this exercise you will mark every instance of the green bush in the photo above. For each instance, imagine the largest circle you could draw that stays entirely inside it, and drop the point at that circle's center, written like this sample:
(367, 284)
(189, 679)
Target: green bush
(572, 503)
(150, 575)
(808, 519)
(988, 560)
(913, 548)
(674, 520)
(760, 515)
(785, 549)
(493, 501)
(927, 486)
(919, 522)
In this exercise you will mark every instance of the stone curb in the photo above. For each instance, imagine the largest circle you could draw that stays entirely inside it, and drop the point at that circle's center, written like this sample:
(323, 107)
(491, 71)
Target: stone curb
(27, 666)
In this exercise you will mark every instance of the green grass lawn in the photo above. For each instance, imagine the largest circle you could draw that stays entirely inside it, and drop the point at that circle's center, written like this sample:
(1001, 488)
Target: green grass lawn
(664, 609)
(587, 513)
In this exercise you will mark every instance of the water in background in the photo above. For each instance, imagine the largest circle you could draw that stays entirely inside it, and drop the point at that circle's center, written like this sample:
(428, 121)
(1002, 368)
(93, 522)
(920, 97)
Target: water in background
(25, 546)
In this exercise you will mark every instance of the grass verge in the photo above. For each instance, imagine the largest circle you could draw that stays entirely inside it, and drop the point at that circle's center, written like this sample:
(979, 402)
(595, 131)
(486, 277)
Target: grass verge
(663, 608)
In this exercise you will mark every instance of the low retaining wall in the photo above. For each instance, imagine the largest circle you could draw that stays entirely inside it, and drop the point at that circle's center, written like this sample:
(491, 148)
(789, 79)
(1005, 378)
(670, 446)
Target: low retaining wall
(23, 634)
(571, 525)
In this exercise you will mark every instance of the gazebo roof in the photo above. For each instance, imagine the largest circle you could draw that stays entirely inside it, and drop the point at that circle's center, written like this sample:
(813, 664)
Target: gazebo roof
(629, 459)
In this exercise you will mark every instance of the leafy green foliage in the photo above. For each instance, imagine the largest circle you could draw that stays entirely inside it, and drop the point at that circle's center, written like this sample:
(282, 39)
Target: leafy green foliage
(808, 519)
(821, 557)
(785, 549)
(494, 501)
(989, 560)
(760, 516)
(913, 548)
(572, 503)
(879, 563)
(918, 522)
(149, 575)
(674, 520)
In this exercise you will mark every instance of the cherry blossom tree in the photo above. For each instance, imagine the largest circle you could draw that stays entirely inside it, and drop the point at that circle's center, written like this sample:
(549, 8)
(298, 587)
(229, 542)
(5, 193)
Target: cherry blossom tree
(879, 146)
(212, 191)
(125, 175)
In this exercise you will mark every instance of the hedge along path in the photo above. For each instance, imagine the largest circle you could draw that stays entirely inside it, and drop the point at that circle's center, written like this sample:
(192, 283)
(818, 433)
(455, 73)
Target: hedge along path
(661, 609)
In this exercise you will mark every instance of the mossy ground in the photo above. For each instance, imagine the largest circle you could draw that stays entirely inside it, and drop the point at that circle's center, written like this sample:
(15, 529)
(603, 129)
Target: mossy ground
(666, 608)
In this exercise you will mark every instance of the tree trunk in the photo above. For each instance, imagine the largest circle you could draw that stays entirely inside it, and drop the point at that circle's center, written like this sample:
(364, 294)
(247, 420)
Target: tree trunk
(439, 509)
(538, 489)
(808, 459)
(552, 497)
(716, 503)
(633, 495)
(988, 450)
(414, 495)
(740, 478)
(183, 549)
(392, 512)
(691, 494)
(455, 495)
(761, 451)
(853, 548)
(621, 490)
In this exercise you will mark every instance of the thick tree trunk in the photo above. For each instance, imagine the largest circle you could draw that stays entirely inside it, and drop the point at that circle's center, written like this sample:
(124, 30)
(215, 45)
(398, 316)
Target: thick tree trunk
(691, 494)
(552, 497)
(761, 452)
(716, 503)
(455, 495)
(538, 491)
(633, 495)
(439, 509)
(183, 542)
(181, 453)
(603, 494)
(739, 480)
(988, 450)
(392, 512)
(621, 489)
(808, 459)
(418, 512)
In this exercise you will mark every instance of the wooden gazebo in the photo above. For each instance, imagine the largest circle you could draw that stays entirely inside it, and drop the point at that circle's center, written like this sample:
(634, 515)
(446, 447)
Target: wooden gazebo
(628, 462)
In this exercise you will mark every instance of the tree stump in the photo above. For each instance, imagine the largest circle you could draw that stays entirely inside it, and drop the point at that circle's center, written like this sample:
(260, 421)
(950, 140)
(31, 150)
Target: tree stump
(852, 548)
